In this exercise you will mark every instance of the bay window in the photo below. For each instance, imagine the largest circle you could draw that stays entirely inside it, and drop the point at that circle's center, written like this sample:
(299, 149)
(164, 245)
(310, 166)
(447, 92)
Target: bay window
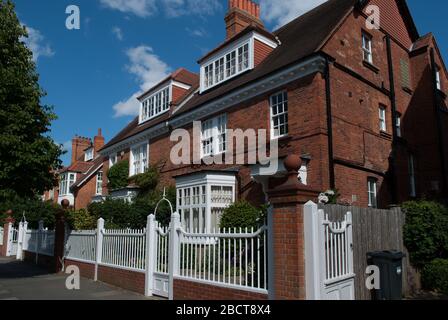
(202, 199)
(139, 159)
(214, 136)
(66, 181)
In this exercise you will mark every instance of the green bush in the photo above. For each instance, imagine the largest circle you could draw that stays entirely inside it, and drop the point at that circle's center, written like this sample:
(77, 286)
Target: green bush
(117, 176)
(242, 214)
(146, 181)
(425, 232)
(435, 276)
(81, 220)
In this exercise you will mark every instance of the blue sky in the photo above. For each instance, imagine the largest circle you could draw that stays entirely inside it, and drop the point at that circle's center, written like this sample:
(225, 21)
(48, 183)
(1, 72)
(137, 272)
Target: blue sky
(124, 46)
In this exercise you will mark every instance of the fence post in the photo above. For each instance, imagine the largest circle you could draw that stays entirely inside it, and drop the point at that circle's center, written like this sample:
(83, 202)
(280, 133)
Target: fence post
(349, 233)
(60, 237)
(99, 245)
(20, 240)
(39, 239)
(173, 268)
(150, 254)
(7, 233)
(313, 251)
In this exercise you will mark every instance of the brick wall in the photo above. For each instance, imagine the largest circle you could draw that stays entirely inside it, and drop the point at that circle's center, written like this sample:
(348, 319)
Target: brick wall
(189, 290)
(84, 194)
(126, 279)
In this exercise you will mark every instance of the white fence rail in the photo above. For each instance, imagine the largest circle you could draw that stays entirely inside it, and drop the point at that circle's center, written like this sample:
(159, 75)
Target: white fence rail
(233, 257)
(124, 248)
(81, 245)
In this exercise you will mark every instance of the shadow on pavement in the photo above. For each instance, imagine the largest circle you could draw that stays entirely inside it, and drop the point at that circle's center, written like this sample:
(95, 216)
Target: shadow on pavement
(13, 269)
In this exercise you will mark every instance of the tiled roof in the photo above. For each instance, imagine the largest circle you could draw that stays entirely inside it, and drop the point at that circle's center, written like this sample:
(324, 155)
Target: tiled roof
(94, 167)
(299, 39)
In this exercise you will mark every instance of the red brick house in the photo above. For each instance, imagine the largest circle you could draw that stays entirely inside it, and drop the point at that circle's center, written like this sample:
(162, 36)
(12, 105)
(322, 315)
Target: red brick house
(365, 108)
(81, 182)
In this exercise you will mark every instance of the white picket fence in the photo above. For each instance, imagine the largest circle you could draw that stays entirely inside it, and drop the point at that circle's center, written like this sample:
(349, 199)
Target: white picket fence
(231, 258)
(328, 256)
(1, 236)
(39, 241)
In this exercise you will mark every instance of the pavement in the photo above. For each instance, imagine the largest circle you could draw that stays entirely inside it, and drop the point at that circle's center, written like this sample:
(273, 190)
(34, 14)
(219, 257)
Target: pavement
(25, 281)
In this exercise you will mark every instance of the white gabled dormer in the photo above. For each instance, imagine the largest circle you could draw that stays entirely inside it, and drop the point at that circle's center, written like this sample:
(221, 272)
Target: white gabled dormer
(247, 43)
(155, 103)
(158, 100)
(236, 58)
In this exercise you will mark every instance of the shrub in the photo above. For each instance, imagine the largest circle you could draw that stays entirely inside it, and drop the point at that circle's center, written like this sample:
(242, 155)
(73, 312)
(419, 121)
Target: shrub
(435, 276)
(242, 214)
(81, 220)
(117, 176)
(424, 233)
(147, 181)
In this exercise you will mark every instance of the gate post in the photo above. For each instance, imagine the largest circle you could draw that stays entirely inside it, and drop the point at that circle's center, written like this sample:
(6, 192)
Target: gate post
(173, 257)
(99, 245)
(8, 233)
(60, 233)
(39, 239)
(314, 251)
(150, 254)
(287, 200)
(21, 239)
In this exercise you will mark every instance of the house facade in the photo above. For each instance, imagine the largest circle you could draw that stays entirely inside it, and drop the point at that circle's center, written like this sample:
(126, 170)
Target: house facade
(82, 181)
(362, 104)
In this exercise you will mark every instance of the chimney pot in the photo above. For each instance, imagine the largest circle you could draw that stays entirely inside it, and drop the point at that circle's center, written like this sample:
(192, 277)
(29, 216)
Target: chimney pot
(242, 13)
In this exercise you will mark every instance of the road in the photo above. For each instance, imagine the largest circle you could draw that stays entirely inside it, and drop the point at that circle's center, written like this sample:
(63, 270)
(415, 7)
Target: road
(24, 281)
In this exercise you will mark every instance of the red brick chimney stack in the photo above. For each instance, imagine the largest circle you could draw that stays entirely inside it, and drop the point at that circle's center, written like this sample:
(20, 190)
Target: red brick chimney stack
(79, 144)
(241, 14)
(98, 141)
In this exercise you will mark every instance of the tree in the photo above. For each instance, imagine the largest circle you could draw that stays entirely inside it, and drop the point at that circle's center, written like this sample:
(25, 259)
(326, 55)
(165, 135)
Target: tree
(28, 156)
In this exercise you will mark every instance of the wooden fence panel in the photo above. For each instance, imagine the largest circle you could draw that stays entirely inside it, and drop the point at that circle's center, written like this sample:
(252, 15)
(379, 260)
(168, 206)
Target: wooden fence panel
(374, 230)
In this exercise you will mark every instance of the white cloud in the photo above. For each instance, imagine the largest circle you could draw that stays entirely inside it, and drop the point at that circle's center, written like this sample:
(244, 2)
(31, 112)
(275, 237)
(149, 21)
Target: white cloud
(281, 12)
(118, 33)
(148, 70)
(36, 43)
(200, 32)
(67, 146)
(172, 8)
(141, 8)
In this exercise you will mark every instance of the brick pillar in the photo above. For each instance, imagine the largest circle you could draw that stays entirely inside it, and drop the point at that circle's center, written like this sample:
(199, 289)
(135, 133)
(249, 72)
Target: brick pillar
(59, 237)
(287, 199)
(9, 221)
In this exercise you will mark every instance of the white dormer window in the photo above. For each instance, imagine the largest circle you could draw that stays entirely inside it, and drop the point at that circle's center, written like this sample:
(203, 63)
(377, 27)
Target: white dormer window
(88, 155)
(155, 104)
(231, 61)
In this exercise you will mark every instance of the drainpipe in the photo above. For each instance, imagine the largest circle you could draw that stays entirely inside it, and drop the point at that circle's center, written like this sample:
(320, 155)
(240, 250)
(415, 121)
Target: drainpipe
(329, 125)
(393, 103)
(439, 124)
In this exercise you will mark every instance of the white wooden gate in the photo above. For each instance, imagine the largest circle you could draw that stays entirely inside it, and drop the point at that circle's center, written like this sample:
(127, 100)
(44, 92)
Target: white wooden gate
(328, 256)
(12, 241)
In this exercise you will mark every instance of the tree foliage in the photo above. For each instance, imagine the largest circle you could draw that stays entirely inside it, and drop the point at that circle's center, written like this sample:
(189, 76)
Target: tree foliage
(117, 176)
(425, 231)
(29, 156)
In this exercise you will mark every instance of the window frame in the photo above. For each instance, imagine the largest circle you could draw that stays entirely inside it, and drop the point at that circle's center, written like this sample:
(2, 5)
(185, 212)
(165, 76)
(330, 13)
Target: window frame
(88, 154)
(232, 66)
(382, 118)
(205, 199)
(438, 79)
(156, 104)
(398, 127)
(132, 160)
(113, 162)
(99, 184)
(278, 115)
(212, 134)
(66, 180)
(372, 202)
(367, 39)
